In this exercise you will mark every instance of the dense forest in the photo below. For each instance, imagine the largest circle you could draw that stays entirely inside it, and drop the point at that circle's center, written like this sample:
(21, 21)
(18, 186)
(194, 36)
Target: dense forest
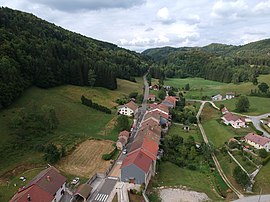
(219, 62)
(35, 52)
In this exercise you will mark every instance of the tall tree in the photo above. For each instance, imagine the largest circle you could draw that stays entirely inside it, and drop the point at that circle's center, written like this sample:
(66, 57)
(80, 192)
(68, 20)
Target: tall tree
(242, 104)
(263, 87)
(91, 77)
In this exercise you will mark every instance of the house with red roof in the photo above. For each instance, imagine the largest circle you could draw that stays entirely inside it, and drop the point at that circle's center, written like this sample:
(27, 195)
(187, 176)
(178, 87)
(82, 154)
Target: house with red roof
(122, 139)
(234, 120)
(48, 185)
(224, 110)
(137, 168)
(160, 108)
(129, 109)
(170, 101)
(257, 141)
(151, 98)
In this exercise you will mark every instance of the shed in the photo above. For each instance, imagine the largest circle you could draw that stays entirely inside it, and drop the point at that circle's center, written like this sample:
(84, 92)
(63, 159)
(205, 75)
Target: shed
(82, 193)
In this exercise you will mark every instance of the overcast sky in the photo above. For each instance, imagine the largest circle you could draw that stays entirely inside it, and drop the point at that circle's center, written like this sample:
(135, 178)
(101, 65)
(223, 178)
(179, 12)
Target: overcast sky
(142, 24)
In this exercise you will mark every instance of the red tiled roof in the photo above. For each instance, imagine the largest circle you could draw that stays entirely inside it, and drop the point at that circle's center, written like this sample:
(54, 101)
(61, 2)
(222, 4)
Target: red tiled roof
(232, 117)
(124, 133)
(151, 96)
(257, 139)
(224, 109)
(152, 105)
(132, 105)
(138, 158)
(35, 193)
(161, 107)
(153, 115)
(149, 122)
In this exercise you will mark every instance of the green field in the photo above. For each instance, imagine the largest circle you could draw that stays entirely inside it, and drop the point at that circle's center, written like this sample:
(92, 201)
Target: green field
(201, 87)
(262, 180)
(171, 175)
(76, 121)
(258, 105)
(177, 129)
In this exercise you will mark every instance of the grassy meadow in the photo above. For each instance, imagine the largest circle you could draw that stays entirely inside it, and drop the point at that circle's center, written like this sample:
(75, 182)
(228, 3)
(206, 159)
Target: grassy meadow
(77, 122)
(177, 129)
(201, 87)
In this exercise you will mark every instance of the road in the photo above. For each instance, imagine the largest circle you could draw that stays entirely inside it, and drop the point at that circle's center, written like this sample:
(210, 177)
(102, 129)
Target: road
(222, 174)
(256, 120)
(258, 198)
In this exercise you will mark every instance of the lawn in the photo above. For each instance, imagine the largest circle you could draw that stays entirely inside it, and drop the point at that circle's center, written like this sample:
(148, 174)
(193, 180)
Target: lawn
(217, 132)
(262, 180)
(177, 129)
(76, 121)
(172, 175)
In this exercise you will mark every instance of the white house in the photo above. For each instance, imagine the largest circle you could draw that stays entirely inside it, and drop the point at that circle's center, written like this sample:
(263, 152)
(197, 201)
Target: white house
(229, 95)
(48, 185)
(217, 97)
(258, 141)
(234, 120)
(129, 109)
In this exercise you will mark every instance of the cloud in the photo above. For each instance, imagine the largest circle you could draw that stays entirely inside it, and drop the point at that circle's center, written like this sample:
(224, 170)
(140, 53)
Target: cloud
(149, 29)
(163, 16)
(229, 9)
(76, 5)
(262, 7)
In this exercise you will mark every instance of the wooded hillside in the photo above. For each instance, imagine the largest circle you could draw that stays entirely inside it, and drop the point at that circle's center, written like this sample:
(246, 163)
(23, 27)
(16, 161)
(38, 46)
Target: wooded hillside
(35, 52)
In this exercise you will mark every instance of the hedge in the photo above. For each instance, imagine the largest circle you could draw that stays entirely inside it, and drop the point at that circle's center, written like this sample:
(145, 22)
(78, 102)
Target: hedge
(89, 103)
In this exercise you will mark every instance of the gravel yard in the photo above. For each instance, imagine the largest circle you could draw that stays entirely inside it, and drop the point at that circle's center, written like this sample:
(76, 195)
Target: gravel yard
(180, 195)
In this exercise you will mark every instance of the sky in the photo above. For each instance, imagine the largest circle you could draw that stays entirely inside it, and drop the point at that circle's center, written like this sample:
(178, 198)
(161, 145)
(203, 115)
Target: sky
(141, 24)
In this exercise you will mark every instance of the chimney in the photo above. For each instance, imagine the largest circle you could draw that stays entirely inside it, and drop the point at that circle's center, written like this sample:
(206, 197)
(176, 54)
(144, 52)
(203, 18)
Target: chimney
(28, 197)
(48, 178)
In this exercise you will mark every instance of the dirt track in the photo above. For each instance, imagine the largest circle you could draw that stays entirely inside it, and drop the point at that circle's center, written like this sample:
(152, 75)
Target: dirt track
(86, 159)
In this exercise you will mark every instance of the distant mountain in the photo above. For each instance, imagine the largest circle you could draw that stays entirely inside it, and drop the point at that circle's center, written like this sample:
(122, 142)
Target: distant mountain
(219, 62)
(36, 52)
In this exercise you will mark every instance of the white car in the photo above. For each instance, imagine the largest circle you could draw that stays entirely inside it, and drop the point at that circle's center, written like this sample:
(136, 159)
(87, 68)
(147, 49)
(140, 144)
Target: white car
(125, 151)
(22, 178)
(75, 181)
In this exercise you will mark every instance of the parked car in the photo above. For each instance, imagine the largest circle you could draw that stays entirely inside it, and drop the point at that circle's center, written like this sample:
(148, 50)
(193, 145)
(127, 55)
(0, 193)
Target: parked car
(125, 151)
(75, 181)
(22, 178)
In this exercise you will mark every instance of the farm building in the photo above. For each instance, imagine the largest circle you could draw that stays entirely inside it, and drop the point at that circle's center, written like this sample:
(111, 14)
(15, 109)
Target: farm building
(151, 98)
(258, 141)
(229, 95)
(217, 97)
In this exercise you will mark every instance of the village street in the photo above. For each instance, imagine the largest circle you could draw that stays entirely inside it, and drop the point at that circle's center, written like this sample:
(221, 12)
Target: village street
(256, 120)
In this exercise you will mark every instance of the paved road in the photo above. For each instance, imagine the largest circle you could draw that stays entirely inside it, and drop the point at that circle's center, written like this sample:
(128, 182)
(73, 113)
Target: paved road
(105, 191)
(257, 123)
(258, 198)
(222, 174)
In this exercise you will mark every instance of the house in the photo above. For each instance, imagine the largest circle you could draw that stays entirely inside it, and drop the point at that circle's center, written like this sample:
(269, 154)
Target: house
(167, 87)
(257, 141)
(170, 101)
(224, 110)
(122, 139)
(217, 97)
(234, 120)
(137, 168)
(229, 95)
(151, 98)
(129, 109)
(154, 87)
(48, 185)
(161, 108)
(82, 193)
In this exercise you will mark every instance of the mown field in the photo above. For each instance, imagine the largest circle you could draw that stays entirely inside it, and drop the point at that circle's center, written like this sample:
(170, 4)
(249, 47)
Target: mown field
(172, 175)
(77, 122)
(262, 180)
(177, 129)
(200, 87)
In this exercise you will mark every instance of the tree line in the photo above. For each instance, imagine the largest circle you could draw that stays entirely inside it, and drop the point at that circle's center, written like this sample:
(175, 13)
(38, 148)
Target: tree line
(89, 103)
(35, 52)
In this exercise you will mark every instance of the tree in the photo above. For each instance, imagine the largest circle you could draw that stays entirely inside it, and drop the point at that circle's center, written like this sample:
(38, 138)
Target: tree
(91, 77)
(263, 153)
(122, 123)
(52, 154)
(162, 94)
(263, 87)
(242, 104)
(241, 177)
(187, 87)
(133, 95)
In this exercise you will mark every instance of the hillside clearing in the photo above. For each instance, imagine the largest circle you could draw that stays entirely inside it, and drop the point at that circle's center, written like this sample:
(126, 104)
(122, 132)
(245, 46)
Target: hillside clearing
(86, 159)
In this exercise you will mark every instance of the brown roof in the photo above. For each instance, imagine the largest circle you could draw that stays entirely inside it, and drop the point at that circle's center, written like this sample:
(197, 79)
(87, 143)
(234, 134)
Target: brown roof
(35, 193)
(224, 109)
(132, 105)
(122, 140)
(161, 107)
(151, 96)
(42, 187)
(124, 133)
(50, 180)
(257, 139)
(84, 190)
(232, 117)
(138, 158)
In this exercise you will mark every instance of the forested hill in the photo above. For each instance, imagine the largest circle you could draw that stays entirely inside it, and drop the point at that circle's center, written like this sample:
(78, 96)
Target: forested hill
(36, 52)
(219, 62)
